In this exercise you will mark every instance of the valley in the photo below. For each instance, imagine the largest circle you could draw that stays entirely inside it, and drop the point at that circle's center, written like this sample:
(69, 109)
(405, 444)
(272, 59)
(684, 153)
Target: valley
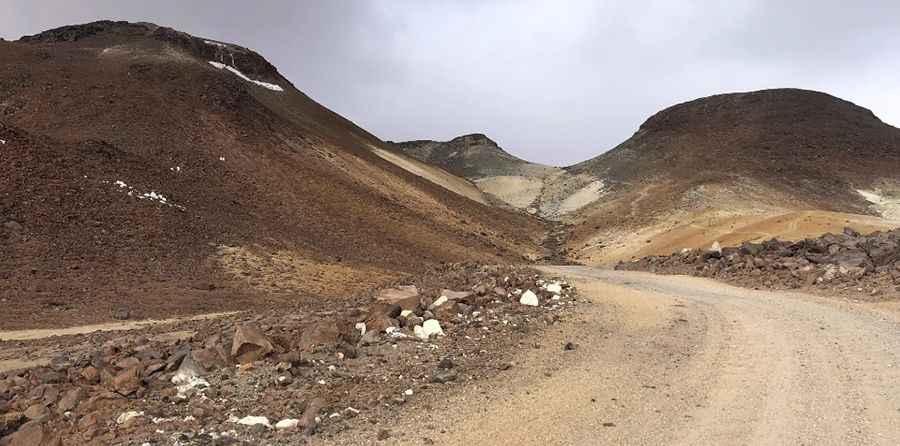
(195, 251)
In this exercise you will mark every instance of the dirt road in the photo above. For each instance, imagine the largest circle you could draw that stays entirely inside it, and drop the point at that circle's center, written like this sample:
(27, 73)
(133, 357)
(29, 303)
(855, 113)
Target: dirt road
(665, 360)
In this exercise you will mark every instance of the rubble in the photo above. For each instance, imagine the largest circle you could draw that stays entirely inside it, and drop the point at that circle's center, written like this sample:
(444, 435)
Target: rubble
(321, 369)
(848, 264)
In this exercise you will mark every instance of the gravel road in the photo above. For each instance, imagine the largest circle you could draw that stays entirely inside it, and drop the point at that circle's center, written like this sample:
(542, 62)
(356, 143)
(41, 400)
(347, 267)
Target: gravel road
(684, 361)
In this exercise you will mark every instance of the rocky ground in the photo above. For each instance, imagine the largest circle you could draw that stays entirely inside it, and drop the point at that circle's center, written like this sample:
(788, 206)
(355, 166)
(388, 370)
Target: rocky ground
(847, 264)
(283, 376)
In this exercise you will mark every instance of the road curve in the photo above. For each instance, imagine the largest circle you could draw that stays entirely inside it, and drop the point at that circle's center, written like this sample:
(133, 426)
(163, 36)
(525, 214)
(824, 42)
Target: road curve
(671, 360)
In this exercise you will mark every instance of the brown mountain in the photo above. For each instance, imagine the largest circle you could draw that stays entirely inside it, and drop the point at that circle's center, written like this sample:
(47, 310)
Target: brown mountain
(147, 169)
(726, 163)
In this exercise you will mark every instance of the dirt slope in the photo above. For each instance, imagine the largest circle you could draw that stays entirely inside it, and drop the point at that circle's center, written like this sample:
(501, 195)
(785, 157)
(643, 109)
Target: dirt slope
(149, 169)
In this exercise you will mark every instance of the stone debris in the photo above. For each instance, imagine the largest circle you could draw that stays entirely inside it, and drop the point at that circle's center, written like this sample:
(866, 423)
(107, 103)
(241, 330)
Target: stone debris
(327, 363)
(848, 263)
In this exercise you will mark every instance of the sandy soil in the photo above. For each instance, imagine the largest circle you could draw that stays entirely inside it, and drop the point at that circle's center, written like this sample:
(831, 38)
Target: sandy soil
(684, 361)
(434, 174)
(517, 191)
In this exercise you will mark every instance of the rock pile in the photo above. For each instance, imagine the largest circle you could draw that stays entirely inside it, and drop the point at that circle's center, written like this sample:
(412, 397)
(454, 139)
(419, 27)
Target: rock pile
(272, 377)
(846, 263)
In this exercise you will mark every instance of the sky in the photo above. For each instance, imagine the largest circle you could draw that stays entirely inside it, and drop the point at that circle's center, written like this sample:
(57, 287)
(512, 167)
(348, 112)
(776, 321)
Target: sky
(556, 82)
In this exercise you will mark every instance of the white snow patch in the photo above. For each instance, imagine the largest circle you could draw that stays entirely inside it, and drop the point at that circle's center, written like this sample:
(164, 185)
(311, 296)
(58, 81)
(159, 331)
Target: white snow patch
(2, 142)
(237, 73)
(152, 195)
(213, 43)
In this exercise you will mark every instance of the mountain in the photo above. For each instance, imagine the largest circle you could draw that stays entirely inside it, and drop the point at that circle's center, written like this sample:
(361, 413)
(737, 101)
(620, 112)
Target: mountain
(741, 166)
(729, 168)
(544, 190)
(149, 170)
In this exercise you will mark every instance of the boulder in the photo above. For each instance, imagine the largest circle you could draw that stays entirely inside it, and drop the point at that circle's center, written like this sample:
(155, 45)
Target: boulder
(249, 344)
(456, 295)
(34, 433)
(128, 381)
(529, 298)
(407, 297)
(70, 400)
(320, 333)
(430, 328)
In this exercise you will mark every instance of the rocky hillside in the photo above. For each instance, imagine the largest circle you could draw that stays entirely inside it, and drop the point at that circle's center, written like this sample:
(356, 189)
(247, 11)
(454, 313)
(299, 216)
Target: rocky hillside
(757, 155)
(472, 156)
(145, 171)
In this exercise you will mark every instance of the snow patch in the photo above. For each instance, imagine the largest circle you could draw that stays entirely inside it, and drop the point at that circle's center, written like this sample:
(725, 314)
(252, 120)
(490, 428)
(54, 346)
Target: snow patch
(214, 43)
(152, 195)
(237, 73)
(2, 142)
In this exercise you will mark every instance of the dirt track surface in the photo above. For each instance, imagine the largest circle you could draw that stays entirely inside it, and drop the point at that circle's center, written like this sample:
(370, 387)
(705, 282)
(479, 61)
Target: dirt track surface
(686, 361)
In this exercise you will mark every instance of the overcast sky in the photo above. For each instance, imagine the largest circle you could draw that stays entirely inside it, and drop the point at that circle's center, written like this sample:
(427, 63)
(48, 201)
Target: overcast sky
(552, 81)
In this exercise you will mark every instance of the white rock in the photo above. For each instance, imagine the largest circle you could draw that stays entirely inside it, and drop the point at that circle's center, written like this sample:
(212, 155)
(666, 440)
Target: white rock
(406, 313)
(554, 287)
(429, 328)
(440, 301)
(529, 298)
(361, 326)
(408, 392)
(250, 420)
(128, 415)
(716, 247)
(287, 423)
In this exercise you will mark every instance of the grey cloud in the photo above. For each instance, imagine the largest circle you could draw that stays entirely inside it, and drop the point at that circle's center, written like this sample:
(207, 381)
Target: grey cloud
(555, 82)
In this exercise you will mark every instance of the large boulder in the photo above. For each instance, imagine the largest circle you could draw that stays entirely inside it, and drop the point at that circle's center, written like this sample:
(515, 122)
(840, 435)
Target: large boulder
(407, 297)
(249, 344)
(326, 333)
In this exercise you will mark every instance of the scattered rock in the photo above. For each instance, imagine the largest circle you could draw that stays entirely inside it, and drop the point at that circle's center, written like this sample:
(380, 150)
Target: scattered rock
(430, 328)
(287, 423)
(529, 298)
